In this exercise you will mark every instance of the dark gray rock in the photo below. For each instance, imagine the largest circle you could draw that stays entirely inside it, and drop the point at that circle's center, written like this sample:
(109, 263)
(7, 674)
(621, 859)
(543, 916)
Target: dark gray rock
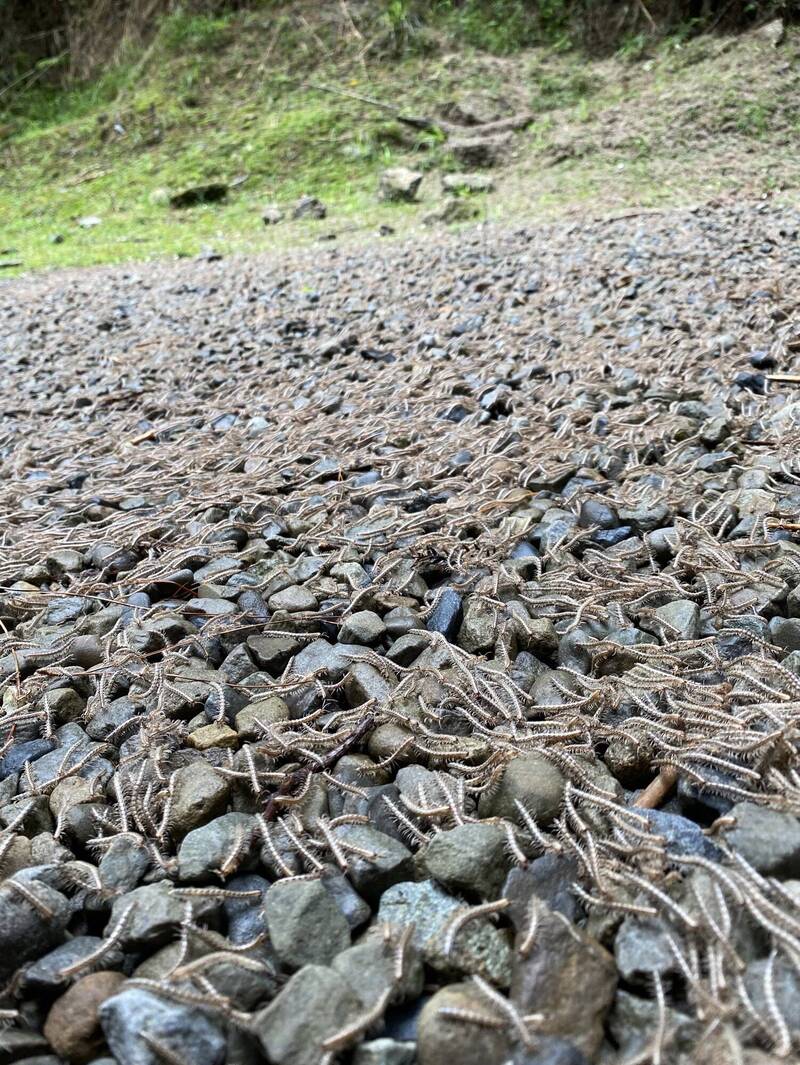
(768, 839)
(157, 912)
(28, 929)
(566, 967)
(447, 614)
(306, 927)
(681, 835)
(135, 1022)
(469, 858)
(478, 947)
(548, 878)
(390, 861)
(221, 847)
(532, 780)
(315, 1005)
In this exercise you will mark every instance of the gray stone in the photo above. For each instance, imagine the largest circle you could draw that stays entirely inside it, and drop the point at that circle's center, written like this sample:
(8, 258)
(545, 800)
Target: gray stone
(199, 794)
(364, 683)
(549, 878)
(444, 1039)
(569, 978)
(786, 633)
(478, 947)
(369, 968)
(469, 858)
(641, 947)
(407, 648)
(222, 847)
(634, 1019)
(532, 780)
(768, 839)
(45, 974)
(125, 861)
(390, 862)
(385, 1052)
(294, 599)
(157, 912)
(680, 835)
(26, 930)
(678, 620)
(446, 615)
(399, 185)
(786, 990)
(315, 1005)
(132, 1016)
(309, 207)
(479, 628)
(273, 652)
(305, 924)
(356, 911)
(112, 717)
(364, 627)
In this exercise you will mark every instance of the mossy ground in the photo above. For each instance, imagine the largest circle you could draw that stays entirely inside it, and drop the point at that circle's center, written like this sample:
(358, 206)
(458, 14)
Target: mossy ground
(235, 98)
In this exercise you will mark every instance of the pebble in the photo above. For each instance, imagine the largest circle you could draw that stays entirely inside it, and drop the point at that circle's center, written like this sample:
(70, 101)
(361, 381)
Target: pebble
(72, 1027)
(136, 1022)
(306, 926)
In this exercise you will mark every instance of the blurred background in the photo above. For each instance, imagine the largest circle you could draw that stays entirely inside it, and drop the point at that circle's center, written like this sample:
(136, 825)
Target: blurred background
(139, 128)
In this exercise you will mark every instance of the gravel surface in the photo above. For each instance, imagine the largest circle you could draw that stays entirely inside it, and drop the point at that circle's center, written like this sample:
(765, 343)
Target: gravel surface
(400, 652)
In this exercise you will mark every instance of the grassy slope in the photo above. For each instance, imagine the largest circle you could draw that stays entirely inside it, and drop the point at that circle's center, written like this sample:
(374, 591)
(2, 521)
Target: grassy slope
(217, 99)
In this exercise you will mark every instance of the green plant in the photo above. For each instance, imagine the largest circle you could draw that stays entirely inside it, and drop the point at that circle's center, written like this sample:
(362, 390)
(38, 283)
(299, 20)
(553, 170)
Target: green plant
(183, 31)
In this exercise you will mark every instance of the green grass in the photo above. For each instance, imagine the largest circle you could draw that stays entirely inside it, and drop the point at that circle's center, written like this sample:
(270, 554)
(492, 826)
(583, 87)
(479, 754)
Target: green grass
(217, 99)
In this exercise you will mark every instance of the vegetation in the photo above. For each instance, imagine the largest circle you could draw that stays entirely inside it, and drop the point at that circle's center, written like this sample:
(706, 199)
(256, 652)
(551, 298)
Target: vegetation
(242, 97)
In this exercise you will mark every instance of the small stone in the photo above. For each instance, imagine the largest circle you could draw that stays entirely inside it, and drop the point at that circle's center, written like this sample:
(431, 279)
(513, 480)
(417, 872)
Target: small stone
(641, 948)
(271, 215)
(768, 839)
(45, 974)
(447, 614)
(470, 858)
(315, 1005)
(678, 620)
(549, 878)
(385, 1052)
(364, 627)
(305, 924)
(390, 862)
(567, 968)
(294, 600)
(26, 933)
(399, 185)
(681, 835)
(443, 1039)
(479, 628)
(199, 793)
(72, 1027)
(479, 947)
(217, 849)
(273, 652)
(533, 781)
(267, 712)
(309, 207)
(156, 914)
(134, 1017)
(368, 967)
(217, 734)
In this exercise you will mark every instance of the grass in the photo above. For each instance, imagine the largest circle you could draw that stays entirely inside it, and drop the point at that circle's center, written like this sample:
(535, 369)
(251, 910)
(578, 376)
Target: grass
(233, 97)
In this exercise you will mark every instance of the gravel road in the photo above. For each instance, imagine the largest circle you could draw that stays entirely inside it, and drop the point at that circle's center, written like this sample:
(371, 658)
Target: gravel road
(400, 652)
